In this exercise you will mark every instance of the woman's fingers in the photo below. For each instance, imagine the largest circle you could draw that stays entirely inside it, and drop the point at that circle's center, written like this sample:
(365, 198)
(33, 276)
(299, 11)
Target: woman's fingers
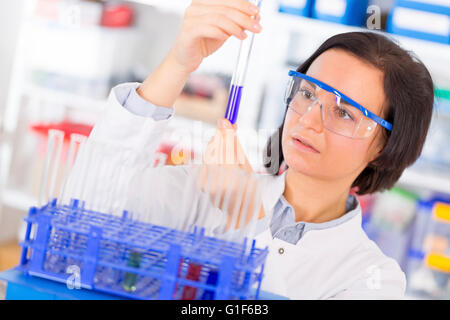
(211, 32)
(229, 139)
(241, 5)
(227, 25)
(206, 26)
(224, 148)
(222, 13)
(234, 153)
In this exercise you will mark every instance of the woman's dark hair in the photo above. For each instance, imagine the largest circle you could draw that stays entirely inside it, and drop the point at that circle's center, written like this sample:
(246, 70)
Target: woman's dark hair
(409, 102)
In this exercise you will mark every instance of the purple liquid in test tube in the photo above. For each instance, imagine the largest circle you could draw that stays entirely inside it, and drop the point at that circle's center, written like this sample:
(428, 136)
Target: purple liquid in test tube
(234, 100)
(237, 82)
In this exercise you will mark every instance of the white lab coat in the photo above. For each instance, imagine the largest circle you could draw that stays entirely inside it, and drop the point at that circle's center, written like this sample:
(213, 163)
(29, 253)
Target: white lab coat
(339, 262)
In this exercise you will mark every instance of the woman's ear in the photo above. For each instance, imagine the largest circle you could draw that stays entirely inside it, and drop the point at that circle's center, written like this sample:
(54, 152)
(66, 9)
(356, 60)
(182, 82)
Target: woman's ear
(377, 152)
(379, 143)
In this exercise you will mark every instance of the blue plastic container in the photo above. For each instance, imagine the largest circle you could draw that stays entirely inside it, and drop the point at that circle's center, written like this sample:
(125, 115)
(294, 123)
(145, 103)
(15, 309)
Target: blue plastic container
(428, 229)
(296, 7)
(133, 259)
(421, 227)
(349, 12)
(420, 20)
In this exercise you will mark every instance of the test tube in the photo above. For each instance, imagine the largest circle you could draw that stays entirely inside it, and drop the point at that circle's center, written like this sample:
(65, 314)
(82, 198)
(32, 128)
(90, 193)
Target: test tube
(232, 212)
(194, 268)
(51, 165)
(135, 257)
(237, 81)
(91, 175)
(76, 141)
(211, 280)
(190, 199)
(204, 203)
(212, 174)
(82, 169)
(193, 274)
(130, 280)
(251, 208)
(254, 220)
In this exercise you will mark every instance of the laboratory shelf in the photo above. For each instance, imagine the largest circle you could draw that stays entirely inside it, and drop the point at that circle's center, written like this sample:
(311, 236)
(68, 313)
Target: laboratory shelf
(435, 55)
(18, 199)
(64, 98)
(426, 179)
(172, 6)
(318, 28)
(321, 29)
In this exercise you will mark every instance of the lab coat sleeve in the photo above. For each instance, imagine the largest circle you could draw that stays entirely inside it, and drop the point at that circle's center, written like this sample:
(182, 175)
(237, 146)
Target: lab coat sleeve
(378, 282)
(130, 100)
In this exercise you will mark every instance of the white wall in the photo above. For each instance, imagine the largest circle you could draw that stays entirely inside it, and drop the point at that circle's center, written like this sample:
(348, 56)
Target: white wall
(10, 20)
(10, 14)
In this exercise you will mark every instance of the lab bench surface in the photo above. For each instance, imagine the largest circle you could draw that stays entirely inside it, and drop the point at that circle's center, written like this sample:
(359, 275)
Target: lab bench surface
(9, 255)
(15, 285)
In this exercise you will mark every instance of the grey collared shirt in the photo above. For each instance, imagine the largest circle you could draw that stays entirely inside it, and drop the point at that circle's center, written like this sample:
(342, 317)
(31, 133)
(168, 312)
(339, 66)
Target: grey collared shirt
(284, 227)
(282, 224)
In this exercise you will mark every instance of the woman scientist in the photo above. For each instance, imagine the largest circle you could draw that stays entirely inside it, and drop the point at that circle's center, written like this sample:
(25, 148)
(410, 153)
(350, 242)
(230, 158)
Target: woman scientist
(357, 114)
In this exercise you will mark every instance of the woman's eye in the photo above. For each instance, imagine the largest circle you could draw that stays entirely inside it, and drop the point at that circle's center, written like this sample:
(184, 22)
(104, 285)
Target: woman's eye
(343, 114)
(306, 93)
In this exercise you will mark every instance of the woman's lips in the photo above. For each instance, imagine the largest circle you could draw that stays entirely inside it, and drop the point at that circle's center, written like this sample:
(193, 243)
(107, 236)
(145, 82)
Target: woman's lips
(302, 146)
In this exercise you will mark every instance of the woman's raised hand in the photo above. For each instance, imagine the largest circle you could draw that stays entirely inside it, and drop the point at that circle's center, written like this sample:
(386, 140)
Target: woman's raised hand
(207, 24)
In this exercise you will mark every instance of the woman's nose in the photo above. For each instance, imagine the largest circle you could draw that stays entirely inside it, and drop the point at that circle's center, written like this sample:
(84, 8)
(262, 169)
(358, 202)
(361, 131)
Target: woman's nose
(312, 118)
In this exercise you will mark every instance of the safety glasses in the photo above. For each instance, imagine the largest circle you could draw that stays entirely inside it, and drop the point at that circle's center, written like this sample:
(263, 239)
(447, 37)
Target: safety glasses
(340, 114)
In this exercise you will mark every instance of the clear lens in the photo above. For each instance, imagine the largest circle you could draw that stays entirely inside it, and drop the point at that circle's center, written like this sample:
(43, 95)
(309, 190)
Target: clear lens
(366, 127)
(338, 115)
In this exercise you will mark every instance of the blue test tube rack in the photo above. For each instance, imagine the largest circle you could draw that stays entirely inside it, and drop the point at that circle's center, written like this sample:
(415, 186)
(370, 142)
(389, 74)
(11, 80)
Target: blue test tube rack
(60, 237)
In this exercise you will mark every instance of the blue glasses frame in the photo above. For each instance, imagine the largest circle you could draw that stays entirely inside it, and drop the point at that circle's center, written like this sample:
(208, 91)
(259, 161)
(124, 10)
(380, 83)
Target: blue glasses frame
(385, 124)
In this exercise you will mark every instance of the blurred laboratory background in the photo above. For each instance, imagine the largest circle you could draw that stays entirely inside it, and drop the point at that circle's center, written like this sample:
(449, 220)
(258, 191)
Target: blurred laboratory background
(60, 58)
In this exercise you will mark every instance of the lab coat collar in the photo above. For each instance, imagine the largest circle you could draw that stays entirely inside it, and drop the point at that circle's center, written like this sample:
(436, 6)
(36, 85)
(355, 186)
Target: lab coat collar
(344, 235)
(273, 189)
